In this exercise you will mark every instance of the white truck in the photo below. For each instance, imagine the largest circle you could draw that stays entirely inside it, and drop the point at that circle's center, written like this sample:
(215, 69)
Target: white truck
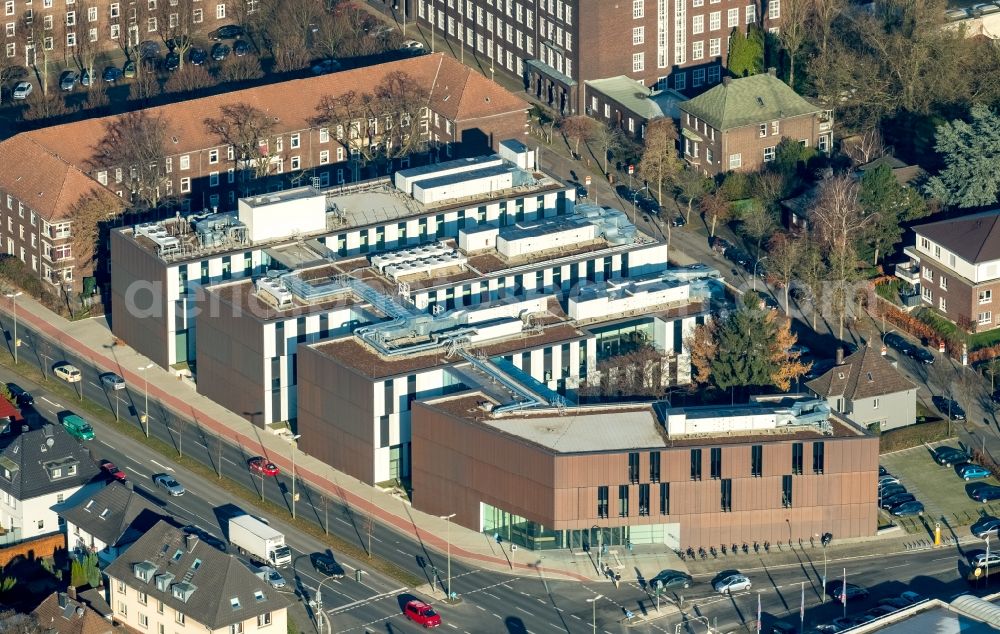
(259, 541)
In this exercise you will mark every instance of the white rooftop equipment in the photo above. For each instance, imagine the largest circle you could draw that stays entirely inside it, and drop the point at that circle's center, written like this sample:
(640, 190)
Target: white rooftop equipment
(518, 153)
(283, 214)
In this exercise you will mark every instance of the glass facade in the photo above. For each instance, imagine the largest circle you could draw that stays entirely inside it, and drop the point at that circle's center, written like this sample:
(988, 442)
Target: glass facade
(622, 338)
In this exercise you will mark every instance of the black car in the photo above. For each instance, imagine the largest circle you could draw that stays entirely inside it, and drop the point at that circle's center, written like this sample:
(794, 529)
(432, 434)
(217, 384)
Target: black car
(986, 525)
(912, 507)
(172, 62)
(720, 245)
(112, 74)
(240, 48)
(220, 52)
(890, 490)
(948, 456)
(921, 354)
(227, 32)
(678, 221)
(668, 579)
(895, 500)
(21, 396)
(149, 49)
(986, 493)
(327, 565)
(882, 471)
(897, 342)
(197, 56)
(946, 405)
(648, 204)
(836, 591)
(738, 256)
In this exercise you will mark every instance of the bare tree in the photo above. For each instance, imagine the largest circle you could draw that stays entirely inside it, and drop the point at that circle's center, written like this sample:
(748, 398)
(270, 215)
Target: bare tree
(659, 163)
(785, 253)
(91, 215)
(38, 37)
(247, 130)
(866, 147)
(578, 129)
(715, 209)
(45, 106)
(794, 18)
(608, 140)
(175, 24)
(87, 49)
(188, 79)
(243, 68)
(288, 26)
(822, 15)
(135, 142)
(757, 222)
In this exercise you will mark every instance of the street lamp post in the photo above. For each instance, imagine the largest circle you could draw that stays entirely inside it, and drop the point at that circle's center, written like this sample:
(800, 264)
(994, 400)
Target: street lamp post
(144, 419)
(823, 542)
(756, 264)
(295, 496)
(322, 624)
(593, 614)
(883, 339)
(13, 301)
(447, 518)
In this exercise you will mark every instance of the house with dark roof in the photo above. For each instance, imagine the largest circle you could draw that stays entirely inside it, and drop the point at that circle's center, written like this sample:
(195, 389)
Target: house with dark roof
(737, 125)
(109, 520)
(955, 265)
(64, 613)
(869, 390)
(171, 580)
(41, 468)
(46, 171)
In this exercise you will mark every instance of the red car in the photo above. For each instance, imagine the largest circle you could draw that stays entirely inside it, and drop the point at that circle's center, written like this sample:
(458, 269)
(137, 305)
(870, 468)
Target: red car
(420, 612)
(260, 466)
(112, 471)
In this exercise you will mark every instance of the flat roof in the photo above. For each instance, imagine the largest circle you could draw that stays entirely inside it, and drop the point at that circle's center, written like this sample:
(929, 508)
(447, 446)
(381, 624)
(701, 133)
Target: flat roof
(285, 195)
(243, 294)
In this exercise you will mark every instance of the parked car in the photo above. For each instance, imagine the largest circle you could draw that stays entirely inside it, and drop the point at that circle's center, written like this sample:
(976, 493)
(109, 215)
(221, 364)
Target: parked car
(896, 603)
(986, 493)
(972, 472)
(732, 583)
(837, 590)
(887, 479)
(953, 15)
(946, 405)
(112, 381)
(948, 456)
(227, 32)
(21, 396)
(128, 70)
(922, 355)
(912, 597)
(197, 56)
(149, 49)
(879, 611)
(985, 525)
(113, 471)
(76, 426)
(172, 62)
(67, 81)
(981, 559)
(261, 466)
(412, 46)
(21, 90)
(112, 74)
(240, 48)
(890, 490)
(85, 78)
(995, 397)
(220, 52)
(908, 508)
(894, 501)
(720, 245)
(984, 8)
(327, 565)
(581, 191)
(68, 373)
(896, 342)
(668, 579)
(678, 221)
(738, 256)
(421, 614)
(325, 66)
(271, 576)
(168, 482)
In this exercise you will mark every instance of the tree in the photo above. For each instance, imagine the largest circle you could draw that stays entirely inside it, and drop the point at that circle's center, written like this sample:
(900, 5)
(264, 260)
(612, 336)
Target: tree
(13, 622)
(890, 205)
(822, 14)
(747, 348)
(638, 373)
(91, 216)
(866, 147)
(992, 369)
(287, 28)
(757, 222)
(970, 152)
(136, 143)
(45, 106)
(34, 36)
(691, 186)
(715, 209)
(659, 163)
(191, 78)
(792, 34)
(176, 26)
(146, 84)
(608, 140)
(246, 129)
(746, 52)
(244, 68)
(784, 252)
(87, 49)
(577, 129)
(812, 272)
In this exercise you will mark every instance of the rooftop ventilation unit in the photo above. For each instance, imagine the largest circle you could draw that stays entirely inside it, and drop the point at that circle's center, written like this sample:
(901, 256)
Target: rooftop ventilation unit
(165, 242)
(273, 291)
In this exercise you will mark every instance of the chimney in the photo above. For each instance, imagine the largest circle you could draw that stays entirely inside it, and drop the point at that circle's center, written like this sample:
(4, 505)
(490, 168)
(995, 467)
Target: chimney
(190, 541)
(840, 355)
(62, 599)
(71, 592)
(772, 71)
(727, 80)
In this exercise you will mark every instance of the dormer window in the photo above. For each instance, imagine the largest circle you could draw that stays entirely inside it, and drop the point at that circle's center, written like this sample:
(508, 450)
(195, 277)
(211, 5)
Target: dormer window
(235, 602)
(144, 571)
(178, 554)
(258, 596)
(71, 470)
(183, 591)
(163, 581)
(196, 564)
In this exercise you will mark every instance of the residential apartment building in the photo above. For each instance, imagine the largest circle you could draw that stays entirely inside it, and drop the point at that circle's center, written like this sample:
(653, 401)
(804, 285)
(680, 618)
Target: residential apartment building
(50, 169)
(589, 476)
(557, 45)
(171, 581)
(866, 387)
(955, 264)
(41, 468)
(737, 125)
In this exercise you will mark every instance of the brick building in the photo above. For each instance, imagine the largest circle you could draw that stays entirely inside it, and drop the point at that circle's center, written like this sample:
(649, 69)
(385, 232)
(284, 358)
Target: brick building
(955, 264)
(557, 45)
(50, 169)
(737, 125)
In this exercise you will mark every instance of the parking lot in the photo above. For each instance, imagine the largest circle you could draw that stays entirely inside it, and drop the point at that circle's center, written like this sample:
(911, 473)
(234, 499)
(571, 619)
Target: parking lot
(942, 491)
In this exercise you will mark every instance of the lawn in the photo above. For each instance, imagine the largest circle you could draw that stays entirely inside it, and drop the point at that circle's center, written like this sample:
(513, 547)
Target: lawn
(939, 488)
(947, 329)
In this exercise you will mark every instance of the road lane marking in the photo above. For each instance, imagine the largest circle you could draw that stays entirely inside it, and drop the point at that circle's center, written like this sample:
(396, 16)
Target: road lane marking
(899, 566)
(161, 466)
(497, 615)
(480, 607)
(378, 597)
(517, 607)
(53, 404)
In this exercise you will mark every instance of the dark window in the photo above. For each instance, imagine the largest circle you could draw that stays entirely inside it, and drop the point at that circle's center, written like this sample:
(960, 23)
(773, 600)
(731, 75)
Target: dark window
(622, 500)
(716, 463)
(633, 467)
(797, 458)
(279, 338)
(643, 499)
(786, 491)
(602, 501)
(678, 335)
(300, 330)
(383, 431)
(654, 466)
(275, 373)
(727, 495)
(817, 457)
(411, 390)
(696, 464)
(204, 271)
(227, 267)
(757, 461)
(390, 405)
(665, 498)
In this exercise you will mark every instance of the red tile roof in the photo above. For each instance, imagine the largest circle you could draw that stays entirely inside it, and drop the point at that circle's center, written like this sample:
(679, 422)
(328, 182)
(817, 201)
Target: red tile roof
(49, 166)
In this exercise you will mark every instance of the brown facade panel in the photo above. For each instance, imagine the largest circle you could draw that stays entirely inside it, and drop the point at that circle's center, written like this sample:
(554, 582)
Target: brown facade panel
(138, 299)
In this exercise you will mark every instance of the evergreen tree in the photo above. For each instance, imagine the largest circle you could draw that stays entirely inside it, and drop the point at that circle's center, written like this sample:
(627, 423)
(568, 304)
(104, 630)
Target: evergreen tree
(891, 205)
(746, 52)
(970, 151)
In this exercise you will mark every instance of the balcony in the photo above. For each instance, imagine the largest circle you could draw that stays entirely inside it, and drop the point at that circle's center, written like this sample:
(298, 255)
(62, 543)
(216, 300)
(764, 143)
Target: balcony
(9, 536)
(909, 273)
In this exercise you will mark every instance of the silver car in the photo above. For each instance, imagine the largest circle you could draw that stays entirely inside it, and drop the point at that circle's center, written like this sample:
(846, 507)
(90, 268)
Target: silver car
(271, 576)
(732, 583)
(113, 381)
(168, 482)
